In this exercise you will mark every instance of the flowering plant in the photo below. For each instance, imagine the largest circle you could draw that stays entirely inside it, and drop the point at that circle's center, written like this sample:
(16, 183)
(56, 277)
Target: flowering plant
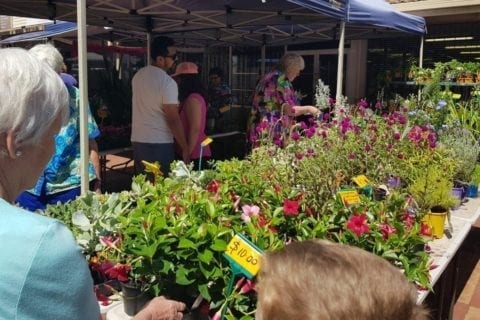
(169, 237)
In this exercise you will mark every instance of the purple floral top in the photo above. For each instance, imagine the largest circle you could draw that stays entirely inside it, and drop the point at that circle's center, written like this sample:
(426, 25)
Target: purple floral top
(273, 91)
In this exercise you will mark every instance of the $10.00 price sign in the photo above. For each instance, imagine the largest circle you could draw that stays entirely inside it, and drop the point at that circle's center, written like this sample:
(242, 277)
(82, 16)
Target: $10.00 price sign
(243, 255)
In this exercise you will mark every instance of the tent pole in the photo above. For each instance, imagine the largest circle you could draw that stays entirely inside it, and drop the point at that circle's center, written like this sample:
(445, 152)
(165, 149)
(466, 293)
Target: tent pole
(149, 44)
(83, 86)
(420, 64)
(230, 67)
(341, 50)
(420, 59)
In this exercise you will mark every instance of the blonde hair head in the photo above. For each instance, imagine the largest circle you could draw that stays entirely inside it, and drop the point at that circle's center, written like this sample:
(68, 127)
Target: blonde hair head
(320, 280)
(291, 61)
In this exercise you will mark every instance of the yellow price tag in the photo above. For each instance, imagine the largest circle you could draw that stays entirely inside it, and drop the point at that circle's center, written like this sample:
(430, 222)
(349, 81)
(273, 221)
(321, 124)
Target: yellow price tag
(361, 181)
(206, 142)
(245, 254)
(349, 197)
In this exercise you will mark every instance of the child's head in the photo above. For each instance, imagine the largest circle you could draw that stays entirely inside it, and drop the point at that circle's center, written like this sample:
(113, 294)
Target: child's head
(320, 280)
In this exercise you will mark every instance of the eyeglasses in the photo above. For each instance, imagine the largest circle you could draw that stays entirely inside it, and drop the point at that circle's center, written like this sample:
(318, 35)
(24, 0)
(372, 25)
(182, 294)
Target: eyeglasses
(172, 56)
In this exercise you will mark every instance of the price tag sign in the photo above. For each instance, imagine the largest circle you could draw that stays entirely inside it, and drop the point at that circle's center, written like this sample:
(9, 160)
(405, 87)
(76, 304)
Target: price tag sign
(349, 197)
(361, 181)
(243, 255)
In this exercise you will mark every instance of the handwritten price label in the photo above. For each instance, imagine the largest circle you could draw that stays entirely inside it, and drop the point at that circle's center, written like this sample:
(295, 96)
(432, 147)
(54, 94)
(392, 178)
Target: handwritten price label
(361, 181)
(244, 254)
(349, 197)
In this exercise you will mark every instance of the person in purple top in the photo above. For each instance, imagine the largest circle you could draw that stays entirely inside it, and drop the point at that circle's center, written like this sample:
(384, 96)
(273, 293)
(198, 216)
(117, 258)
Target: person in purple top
(67, 78)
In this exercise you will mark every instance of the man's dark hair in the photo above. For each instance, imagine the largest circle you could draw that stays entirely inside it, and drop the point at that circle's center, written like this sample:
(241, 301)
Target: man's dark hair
(217, 71)
(159, 47)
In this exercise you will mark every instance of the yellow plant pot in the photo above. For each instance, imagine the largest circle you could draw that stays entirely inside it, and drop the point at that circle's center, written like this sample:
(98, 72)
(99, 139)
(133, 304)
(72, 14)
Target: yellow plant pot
(436, 222)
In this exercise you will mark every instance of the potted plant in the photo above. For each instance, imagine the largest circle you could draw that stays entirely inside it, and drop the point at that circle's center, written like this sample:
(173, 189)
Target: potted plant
(464, 149)
(472, 190)
(432, 190)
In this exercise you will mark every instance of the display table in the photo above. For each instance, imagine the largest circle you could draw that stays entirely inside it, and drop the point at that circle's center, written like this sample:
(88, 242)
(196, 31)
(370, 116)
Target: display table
(125, 157)
(443, 250)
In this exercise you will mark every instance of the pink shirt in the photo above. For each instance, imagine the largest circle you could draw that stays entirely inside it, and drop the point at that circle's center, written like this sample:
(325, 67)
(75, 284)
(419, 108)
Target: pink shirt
(186, 126)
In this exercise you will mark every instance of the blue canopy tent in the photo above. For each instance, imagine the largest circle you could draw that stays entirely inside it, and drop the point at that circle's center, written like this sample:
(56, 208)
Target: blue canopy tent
(366, 12)
(50, 30)
(218, 21)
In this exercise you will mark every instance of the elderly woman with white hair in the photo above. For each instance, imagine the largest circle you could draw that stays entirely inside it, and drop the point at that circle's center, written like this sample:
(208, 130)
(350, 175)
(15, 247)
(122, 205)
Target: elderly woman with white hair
(274, 94)
(44, 275)
(61, 180)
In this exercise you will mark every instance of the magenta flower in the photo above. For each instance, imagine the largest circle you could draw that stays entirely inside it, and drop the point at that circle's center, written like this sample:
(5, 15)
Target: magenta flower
(310, 132)
(358, 224)
(290, 207)
(386, 230)
(295, 136)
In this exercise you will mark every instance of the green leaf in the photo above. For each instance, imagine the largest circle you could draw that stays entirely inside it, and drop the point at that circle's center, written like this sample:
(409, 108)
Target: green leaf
(181, 277)
(203, 288)
(210, 209)
(206, 256)
(219, 245)
(185, 243)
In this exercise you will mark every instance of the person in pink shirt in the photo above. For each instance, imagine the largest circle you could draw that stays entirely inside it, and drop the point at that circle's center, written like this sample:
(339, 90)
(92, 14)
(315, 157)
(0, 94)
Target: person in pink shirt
(193, 111)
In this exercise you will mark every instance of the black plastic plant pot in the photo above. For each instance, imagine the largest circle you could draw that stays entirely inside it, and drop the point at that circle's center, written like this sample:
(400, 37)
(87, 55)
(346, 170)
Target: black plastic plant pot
(133, 298)
(379, 194)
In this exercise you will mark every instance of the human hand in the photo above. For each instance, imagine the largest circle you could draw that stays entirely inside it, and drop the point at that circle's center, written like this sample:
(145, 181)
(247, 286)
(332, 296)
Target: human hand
(313, 111)
(160, 308)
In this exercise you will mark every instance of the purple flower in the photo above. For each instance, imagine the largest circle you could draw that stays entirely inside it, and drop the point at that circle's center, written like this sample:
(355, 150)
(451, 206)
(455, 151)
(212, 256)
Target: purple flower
(295, 136)
(310, 132)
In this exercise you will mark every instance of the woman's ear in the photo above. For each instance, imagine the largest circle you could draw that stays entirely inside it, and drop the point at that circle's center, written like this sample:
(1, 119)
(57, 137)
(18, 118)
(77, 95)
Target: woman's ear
(11, 145)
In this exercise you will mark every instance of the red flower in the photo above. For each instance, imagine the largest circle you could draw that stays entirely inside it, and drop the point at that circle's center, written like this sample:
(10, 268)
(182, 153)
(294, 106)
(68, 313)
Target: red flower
(386, 230)
(290, 207)
(425, 230)
(408, 220)
(213, 186)
(358, 224)
(119, 272)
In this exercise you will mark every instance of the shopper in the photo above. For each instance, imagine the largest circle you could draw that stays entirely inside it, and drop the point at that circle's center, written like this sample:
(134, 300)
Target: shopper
(155, 115)
(274, 94)
(43, 272)
(61, 179)
(219, 98)
(314, 280)
(193, 110)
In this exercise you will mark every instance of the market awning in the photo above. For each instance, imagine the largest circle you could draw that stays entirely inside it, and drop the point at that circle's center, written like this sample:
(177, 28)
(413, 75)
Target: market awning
(231, 22)
(50, 30)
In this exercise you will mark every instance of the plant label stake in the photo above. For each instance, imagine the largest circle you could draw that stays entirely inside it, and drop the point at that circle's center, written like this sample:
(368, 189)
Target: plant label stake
(349, 196)
(361, 181)
(244, 259)
(203, 144)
